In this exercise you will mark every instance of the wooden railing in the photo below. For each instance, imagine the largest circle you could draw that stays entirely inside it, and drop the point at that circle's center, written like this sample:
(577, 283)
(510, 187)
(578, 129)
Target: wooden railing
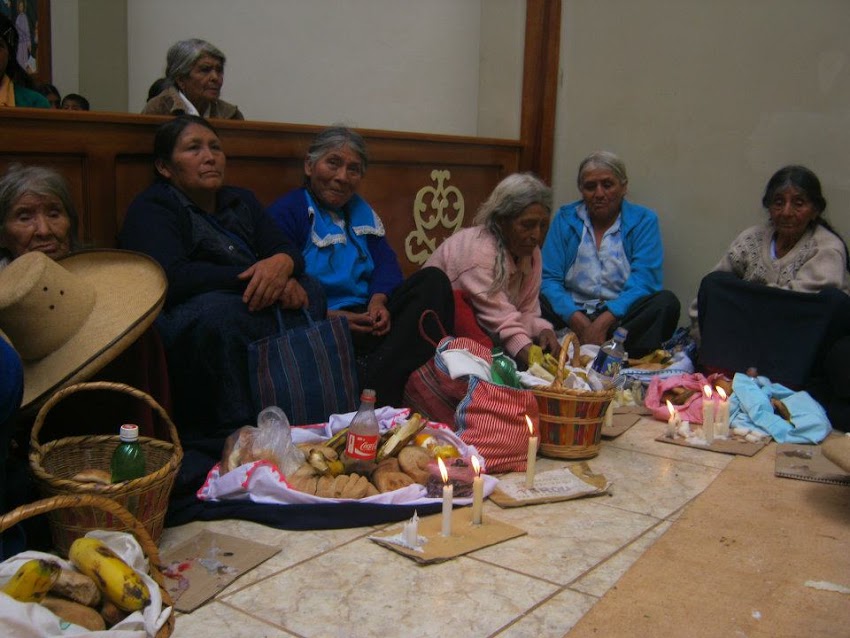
(423, 186)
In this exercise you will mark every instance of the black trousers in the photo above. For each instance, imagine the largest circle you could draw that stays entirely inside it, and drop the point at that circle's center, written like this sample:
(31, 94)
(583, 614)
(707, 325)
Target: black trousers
(783, 333)
(650, 320)
(385, 363)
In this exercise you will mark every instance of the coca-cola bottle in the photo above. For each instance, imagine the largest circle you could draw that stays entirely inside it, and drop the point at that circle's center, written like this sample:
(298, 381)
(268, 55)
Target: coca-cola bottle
(361, 444)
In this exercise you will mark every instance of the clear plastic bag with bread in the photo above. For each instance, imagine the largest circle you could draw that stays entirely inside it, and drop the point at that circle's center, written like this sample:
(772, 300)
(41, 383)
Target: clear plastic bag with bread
(270, 440)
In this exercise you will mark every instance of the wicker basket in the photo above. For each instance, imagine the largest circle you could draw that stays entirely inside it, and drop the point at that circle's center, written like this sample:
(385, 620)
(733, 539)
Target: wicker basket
(55, 463)
(101, 505)
(571, 420)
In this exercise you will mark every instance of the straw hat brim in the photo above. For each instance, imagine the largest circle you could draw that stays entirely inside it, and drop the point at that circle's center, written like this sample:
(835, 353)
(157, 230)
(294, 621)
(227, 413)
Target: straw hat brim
(130, 292)
(836, 448)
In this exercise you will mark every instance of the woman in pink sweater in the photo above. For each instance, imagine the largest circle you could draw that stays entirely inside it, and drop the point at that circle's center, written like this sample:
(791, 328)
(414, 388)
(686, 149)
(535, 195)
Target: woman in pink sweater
(498, 263)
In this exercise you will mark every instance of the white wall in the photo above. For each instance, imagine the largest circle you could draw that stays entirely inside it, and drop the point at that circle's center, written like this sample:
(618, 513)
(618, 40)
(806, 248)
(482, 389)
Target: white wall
(387, 64)
(704, 101)
(65, 45)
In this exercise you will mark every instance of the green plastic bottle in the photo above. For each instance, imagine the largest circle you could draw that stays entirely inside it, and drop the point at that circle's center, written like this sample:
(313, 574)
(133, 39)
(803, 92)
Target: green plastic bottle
(503, 369)
(128, 459)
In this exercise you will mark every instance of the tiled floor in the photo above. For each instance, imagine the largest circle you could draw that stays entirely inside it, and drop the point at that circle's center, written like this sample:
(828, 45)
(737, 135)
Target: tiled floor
(339, 584)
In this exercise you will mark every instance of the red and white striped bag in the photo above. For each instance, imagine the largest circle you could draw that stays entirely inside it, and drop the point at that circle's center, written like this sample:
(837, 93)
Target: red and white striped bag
(492, 418)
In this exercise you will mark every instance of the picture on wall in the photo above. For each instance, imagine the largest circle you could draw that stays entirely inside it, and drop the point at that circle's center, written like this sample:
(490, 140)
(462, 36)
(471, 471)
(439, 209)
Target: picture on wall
(32, 21)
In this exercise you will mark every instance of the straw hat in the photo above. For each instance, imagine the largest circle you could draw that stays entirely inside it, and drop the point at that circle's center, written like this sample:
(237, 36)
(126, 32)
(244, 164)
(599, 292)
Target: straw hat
(69, 318)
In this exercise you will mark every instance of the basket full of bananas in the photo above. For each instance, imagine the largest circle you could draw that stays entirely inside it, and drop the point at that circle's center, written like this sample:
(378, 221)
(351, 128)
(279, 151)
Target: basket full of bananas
(95, 588)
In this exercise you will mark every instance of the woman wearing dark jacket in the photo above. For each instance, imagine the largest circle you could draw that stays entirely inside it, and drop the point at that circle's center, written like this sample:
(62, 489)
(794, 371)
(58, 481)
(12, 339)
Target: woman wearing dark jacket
(228, 266)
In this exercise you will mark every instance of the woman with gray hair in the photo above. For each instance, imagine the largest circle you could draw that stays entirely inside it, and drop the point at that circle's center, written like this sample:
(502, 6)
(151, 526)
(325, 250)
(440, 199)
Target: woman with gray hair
(195, 72)
(498, 263)
(36, 213)
(602, 263)
(345, 247)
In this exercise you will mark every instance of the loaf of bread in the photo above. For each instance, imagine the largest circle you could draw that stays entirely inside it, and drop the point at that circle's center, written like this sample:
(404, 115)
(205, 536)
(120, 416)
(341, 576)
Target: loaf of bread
(75, 613)
(93, 476)
(77, 587)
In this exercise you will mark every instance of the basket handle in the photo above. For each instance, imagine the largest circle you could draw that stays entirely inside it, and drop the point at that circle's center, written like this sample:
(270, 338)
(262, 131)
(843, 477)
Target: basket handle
(570, 339)
(68, 501)
(102, 385)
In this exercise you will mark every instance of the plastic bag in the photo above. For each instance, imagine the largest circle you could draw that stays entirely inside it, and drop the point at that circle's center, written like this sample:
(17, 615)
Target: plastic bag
(270, 441)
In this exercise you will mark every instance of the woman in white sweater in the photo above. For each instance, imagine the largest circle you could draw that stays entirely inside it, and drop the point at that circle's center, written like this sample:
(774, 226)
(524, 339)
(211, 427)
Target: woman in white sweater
(779, 296)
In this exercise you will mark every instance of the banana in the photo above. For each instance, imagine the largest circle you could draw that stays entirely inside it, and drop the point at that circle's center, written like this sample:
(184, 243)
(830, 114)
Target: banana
(32, 581)
(116, 579)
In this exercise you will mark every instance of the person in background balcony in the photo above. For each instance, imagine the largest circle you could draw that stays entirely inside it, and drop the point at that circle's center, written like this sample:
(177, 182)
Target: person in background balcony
(195, 71)
(497, 261)
(51, 93)
(344, 246)
(228, 266)
(602, 263)
(778, 298)
(16, 87)
(75, 102)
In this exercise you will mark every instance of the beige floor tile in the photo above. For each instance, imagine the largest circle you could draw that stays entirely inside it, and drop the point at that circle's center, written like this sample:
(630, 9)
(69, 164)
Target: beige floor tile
(603, 577)
(362, 590)
(649, 484)
(215, 620)
(553, 619)
(564, 539)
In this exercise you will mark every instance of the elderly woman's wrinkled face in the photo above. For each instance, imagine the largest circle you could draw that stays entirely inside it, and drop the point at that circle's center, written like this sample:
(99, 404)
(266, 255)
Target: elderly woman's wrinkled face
(791, 212)
(525, 232)
(197, 162)
(203, 84)
(603, 193)
(37, 223)
(335, 176)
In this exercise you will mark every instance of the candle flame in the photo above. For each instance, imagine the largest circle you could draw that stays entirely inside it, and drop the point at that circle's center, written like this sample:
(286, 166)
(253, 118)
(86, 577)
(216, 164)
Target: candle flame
(721, 392)
(530, 425)
(706, 389)
(476, 465)
(443, 471)
(671, 408)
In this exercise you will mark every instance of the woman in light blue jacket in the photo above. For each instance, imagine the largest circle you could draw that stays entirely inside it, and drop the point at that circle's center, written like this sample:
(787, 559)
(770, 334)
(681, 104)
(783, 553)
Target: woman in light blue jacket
(602, 263)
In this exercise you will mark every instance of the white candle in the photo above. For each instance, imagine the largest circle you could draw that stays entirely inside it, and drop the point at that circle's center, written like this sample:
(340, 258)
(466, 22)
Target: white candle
(448, 492)
(721, 415)
(608, 421)
(477, 493)
(411, 531)
(707, 405)
(532, 455)
(672, 422)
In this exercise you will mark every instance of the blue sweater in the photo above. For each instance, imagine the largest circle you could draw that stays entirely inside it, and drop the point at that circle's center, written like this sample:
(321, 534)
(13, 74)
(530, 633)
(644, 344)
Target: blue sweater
(331, 254)
(641, 243)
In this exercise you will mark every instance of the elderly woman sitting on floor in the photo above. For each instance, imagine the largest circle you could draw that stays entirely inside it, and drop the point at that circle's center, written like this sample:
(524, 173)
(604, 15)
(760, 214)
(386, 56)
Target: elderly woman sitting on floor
(498, 263)
(344, 246)
(195, 72)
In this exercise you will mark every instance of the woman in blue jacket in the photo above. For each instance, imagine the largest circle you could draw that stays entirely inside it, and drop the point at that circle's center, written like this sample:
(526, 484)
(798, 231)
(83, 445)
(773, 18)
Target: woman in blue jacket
(602, 263)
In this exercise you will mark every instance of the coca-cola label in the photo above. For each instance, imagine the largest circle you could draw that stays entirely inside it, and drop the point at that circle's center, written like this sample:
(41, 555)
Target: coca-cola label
(361, 447)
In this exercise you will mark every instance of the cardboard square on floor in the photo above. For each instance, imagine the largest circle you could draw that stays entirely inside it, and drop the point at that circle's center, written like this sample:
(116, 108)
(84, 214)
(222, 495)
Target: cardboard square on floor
(619, 424)
(642, 410)
(465, 537)
(807, 463)
(205, 564)
(732, 445)
(562, 484)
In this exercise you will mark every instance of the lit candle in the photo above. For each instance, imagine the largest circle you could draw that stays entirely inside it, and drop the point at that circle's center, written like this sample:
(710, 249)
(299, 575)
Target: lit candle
(477, 493)
(721, 414)
(448, 492)
(532, 455)
(411, 530)
(672, 422)
(707, 405)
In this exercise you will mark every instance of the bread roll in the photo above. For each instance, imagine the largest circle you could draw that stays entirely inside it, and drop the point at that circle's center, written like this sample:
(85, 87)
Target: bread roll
(75, 613)
(414, 461)
(77, 587)
(93, 476)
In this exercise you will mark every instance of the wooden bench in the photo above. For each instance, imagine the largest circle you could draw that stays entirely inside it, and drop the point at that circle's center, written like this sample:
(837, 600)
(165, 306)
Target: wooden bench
(424, 187)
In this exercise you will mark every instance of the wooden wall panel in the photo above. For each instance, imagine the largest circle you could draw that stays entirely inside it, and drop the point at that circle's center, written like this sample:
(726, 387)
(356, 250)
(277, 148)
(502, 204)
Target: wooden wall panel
(106, 158)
